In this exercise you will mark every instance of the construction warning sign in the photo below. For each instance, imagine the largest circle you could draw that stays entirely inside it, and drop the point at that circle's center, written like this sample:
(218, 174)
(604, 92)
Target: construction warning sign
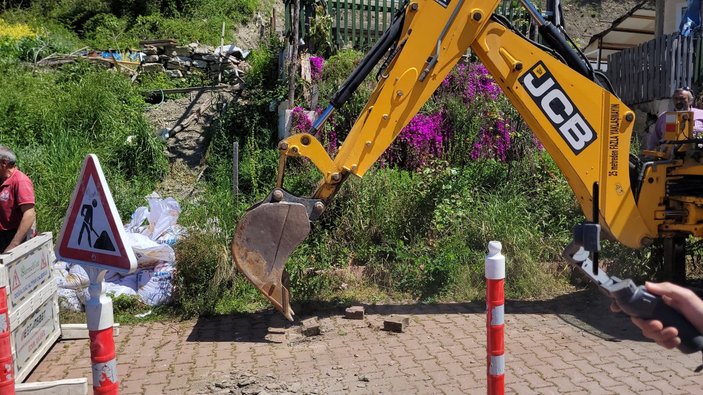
(92, 232)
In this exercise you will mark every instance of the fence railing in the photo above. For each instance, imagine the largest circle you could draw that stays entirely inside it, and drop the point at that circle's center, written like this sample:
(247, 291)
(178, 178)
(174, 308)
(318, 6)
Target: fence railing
(360, 23)
(653, 70)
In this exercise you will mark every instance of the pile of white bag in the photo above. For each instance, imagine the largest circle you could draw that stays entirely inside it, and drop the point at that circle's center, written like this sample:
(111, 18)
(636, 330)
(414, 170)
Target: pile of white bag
(152, 245)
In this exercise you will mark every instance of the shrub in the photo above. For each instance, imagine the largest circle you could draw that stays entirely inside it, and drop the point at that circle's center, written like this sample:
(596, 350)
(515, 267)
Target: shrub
(203, 273)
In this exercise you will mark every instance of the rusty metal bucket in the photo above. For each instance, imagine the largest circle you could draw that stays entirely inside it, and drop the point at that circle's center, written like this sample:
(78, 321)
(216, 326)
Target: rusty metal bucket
(266, 236)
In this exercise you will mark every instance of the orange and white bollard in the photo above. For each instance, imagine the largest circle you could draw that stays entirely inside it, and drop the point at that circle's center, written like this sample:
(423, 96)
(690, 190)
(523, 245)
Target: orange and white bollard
(98, 309)
(7, 368)
(495, 318)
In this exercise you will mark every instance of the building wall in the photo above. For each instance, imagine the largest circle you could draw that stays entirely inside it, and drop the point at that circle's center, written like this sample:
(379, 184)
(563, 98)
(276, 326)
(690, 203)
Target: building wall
(672, 15)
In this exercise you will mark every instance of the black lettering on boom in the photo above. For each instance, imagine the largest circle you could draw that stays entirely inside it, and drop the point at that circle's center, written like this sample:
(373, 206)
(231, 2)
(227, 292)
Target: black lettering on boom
(558, 108)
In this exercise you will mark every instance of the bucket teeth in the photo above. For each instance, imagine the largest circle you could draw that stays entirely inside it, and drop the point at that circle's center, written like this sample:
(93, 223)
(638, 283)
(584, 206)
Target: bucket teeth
(264, 239)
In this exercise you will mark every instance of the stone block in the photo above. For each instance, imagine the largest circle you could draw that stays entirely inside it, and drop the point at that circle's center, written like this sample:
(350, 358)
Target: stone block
(152, 67)
(396, 323)
(150, 50)
(354, 313)
(201, 64)
(310, 327)
(183, 51)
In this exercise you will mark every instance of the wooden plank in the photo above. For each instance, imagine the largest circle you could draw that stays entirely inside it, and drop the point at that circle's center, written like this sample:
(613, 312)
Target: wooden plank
(159, 43)
(699, 60)
(368, 22)
(689, 61)
(658, 75)
(59, 387)
(346, 25)
(235, 87)
(636, 80)
(376, 20)
(80, 331)
(385, 15)
(671, 75)
(353, 24)
(653, 69)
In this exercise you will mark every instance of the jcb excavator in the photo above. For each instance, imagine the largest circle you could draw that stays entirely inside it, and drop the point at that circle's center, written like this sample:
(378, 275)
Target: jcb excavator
(570, 107)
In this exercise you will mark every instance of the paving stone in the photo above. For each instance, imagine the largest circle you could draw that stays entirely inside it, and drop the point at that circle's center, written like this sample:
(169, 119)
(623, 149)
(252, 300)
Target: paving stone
(354, 313)
(443, 352)
(396, 323)
(310, 327)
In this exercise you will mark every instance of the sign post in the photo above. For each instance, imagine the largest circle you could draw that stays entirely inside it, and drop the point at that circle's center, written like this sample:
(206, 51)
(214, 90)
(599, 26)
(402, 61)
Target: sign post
(93, 236)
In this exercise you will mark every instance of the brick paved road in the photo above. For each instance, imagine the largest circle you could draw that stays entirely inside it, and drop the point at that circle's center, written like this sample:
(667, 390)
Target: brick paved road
(571, 344)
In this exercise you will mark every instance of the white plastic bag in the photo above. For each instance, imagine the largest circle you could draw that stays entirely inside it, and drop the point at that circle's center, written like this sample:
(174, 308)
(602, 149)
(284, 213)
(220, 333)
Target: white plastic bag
(159, 289)
(163, 215)
(68, 300)
(138, 217)
(148, 252)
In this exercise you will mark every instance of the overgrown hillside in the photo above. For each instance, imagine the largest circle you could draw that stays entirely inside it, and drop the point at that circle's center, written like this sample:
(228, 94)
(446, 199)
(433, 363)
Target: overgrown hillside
(466, 170)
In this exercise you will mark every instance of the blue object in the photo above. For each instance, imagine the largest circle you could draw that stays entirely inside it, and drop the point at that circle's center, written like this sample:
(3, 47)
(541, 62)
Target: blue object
(691, 19)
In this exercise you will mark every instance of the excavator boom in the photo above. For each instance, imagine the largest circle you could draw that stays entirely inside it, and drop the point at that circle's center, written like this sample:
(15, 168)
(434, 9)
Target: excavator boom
(584, 127)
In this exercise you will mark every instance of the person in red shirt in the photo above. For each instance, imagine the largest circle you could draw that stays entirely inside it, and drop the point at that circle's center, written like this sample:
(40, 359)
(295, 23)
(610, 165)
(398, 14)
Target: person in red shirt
(17, 213)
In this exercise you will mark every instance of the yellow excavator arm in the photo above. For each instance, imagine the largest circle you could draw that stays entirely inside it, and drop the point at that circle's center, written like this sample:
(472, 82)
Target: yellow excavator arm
(584, 127)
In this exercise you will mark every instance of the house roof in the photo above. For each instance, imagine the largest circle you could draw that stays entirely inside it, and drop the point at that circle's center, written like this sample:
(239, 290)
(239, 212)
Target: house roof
(630, 30)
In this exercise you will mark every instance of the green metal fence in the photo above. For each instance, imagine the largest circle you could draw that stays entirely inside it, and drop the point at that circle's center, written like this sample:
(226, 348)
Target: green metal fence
(359, 23)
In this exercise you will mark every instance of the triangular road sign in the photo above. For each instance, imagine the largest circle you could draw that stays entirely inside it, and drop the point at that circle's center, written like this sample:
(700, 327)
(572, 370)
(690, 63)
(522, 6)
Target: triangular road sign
(92, 232)
(15, 281)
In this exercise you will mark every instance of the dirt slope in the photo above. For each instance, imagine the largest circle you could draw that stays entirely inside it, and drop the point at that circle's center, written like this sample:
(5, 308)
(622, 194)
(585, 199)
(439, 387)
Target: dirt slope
(585, 18)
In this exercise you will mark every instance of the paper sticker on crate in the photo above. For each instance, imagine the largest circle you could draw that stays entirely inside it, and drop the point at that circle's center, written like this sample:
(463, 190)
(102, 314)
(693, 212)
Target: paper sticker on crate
(33, 337)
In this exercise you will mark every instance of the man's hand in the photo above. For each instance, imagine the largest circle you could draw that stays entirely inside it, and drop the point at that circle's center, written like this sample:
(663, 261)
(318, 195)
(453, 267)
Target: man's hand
(681, 299)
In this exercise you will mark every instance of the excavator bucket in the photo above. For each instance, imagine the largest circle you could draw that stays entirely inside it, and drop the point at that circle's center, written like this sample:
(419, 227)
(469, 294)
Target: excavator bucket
(266, 236)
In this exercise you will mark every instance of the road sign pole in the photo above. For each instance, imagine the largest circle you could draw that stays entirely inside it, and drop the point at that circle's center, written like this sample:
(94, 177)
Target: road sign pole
(98, 309)
(495, 321)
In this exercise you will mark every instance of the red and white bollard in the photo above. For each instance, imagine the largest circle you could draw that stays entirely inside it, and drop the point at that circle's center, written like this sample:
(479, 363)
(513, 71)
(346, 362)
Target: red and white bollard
(98, 309)
(495, 318)
(7, 368)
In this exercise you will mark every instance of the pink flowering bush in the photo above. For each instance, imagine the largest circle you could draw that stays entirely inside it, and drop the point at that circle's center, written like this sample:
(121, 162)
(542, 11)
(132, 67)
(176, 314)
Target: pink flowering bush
(419, 142)
(468, 119)
(470, 81)
(481, 122)
(300, 122)
(492, 142)
(317, 64)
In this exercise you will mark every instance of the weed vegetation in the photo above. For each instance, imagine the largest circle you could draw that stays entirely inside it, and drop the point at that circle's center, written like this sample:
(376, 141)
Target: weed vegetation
(465, 171)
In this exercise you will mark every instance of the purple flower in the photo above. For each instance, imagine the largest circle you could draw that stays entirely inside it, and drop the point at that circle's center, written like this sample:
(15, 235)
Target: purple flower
(492, 142)
(420, 141)
(471, 80)
(316, 65)
(300, 123)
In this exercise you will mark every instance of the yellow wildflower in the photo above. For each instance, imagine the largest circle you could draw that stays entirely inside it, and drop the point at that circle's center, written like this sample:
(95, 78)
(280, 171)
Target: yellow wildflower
(16, 31)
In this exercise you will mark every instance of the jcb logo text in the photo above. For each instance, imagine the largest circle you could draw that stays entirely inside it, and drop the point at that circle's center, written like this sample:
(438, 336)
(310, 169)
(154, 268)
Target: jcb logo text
(558, 108)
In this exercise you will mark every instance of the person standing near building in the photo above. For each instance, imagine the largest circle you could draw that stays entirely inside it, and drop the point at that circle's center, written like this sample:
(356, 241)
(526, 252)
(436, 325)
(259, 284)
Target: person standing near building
(682, 101)
(17, 214)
